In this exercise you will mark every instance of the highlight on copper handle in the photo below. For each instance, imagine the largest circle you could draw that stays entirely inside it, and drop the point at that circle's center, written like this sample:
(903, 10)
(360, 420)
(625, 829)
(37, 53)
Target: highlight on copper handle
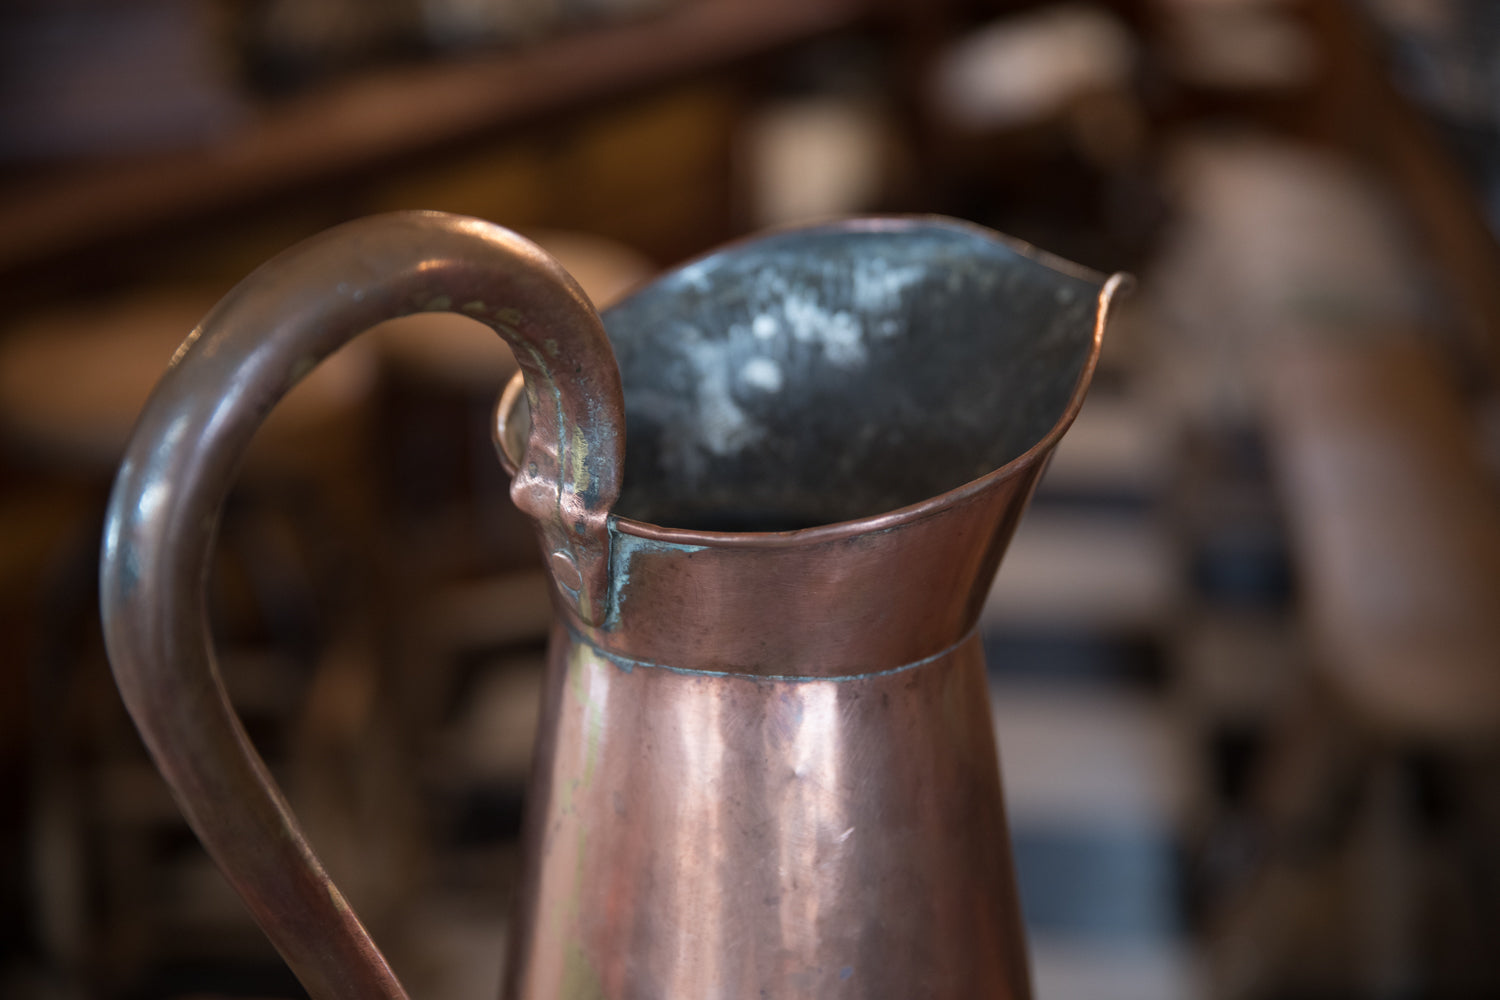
(264, 336)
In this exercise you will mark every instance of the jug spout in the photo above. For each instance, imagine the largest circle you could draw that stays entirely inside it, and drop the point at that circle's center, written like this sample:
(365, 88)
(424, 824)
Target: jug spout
(831, 434)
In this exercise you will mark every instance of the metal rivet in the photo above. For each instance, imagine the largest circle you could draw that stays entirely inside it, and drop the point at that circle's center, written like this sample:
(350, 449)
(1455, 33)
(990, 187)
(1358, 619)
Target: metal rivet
(565, 570)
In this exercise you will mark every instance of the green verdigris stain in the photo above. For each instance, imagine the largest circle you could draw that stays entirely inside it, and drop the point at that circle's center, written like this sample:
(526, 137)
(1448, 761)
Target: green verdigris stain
(575, 674)
(593, 723)
(578, 686)
(580, 682)
(593, 716)
(439, 303)
(577, 455)
(475, 308)
(580, 867)
(580, 981)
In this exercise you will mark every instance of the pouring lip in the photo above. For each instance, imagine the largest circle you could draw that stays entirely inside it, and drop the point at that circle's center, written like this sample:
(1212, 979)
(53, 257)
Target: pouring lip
(891, 222)
(1110, 286)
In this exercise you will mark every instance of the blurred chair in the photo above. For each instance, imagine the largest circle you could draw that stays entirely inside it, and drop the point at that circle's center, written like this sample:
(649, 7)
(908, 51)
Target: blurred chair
(1396, 532)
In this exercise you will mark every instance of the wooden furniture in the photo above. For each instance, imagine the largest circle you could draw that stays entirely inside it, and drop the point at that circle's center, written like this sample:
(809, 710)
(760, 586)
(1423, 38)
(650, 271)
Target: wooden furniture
(1396, 531)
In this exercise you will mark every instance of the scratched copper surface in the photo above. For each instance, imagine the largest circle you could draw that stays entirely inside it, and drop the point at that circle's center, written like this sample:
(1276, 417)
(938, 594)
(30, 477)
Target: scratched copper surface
(696, 835)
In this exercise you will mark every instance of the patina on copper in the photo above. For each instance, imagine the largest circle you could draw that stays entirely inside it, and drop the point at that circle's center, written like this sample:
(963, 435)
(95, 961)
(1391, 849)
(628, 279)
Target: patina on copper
(766, 765)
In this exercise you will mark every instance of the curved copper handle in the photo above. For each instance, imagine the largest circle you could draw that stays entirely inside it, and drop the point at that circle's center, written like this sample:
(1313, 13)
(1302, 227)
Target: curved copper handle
(256, 344)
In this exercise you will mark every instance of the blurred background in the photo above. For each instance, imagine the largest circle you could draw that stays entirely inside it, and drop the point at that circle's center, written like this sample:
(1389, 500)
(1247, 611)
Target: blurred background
(1245, 651)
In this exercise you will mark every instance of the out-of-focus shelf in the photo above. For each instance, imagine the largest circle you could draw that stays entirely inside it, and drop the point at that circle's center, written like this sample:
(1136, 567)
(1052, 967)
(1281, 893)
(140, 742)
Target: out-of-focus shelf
(382, 117)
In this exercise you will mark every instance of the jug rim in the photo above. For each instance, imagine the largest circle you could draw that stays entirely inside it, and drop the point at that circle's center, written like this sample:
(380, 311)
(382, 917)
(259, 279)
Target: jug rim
(884, 222)
(1112, 285)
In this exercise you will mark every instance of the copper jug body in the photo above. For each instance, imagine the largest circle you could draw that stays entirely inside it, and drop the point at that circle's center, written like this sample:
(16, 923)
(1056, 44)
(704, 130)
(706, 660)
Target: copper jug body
(772, 497)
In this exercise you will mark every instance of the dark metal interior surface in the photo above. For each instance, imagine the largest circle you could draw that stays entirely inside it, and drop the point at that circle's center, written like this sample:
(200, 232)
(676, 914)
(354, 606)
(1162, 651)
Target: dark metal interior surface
(826, 374)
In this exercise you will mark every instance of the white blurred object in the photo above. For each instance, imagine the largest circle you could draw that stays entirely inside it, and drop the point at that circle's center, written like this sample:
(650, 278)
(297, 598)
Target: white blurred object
(1071, 570)
(814, 158)
(1118, 444)
(1239, 44)
(1092, 758)
(1114, 970)
(1030, 67)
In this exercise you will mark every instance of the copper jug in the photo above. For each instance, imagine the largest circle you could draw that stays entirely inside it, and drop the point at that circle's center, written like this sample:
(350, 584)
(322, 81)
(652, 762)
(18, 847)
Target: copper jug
(772, 489)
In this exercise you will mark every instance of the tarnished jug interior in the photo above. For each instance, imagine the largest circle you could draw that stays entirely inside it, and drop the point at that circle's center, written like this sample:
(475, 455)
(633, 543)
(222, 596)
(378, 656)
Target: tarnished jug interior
(824, 374)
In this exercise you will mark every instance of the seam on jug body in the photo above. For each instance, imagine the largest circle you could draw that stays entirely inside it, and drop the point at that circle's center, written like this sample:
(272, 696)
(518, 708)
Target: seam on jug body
(627, 664)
